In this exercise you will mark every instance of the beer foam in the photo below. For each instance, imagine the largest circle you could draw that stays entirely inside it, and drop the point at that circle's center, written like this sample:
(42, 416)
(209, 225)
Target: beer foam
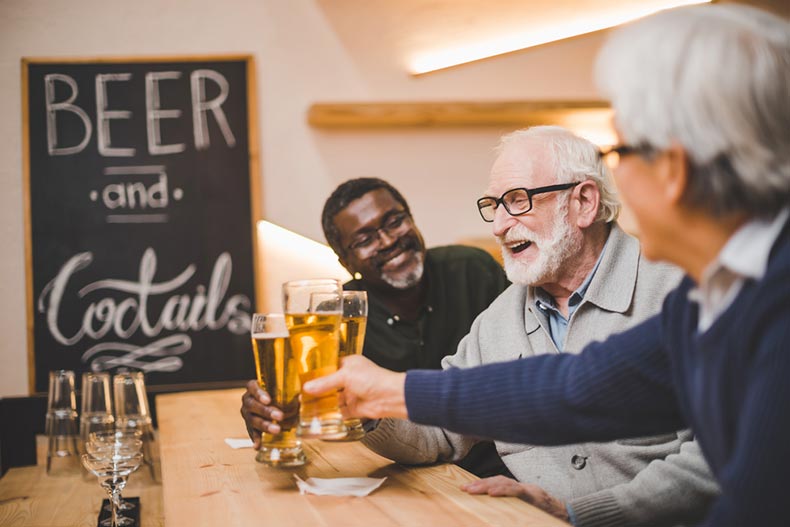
(269, 335)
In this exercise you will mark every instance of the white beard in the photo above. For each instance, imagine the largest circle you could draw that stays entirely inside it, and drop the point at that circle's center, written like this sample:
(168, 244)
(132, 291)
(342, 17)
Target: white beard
(554, 251)
(410, 278)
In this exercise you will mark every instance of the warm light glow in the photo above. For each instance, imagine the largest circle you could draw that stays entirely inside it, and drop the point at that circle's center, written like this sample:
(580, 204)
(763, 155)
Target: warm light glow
(444, 58)
(593, 125)
(284, 255)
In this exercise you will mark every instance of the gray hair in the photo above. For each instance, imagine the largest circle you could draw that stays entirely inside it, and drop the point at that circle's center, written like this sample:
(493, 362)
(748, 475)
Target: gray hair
(716, 80)
(574, 159)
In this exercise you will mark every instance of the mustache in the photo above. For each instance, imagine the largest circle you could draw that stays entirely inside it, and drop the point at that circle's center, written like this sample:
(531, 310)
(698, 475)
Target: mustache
(407, 243)
(517, 233)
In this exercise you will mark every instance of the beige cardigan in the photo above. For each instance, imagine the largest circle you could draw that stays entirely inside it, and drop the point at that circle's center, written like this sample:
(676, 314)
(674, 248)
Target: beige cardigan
(661, 480)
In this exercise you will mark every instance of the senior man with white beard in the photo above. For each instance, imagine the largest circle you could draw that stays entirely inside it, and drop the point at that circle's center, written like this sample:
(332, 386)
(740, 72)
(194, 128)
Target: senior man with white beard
(577, 277)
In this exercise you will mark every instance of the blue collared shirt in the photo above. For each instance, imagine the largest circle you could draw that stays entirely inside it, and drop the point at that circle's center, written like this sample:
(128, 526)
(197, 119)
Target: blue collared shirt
(558, 324)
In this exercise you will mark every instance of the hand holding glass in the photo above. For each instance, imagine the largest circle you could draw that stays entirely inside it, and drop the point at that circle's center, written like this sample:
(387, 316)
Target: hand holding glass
(278, 374)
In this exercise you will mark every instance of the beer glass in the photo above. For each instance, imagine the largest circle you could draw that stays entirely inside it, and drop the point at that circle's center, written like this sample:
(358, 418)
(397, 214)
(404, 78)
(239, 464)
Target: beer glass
(278, 373)
(96, 414)
(132, 411)
(61, 422)
(314, 333)
(352, 338)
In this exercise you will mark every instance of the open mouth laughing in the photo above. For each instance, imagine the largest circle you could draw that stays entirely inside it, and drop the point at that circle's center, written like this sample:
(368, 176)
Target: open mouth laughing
(517, 247)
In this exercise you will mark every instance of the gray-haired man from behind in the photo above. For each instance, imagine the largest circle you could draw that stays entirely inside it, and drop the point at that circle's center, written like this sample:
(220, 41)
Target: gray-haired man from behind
(577, 277)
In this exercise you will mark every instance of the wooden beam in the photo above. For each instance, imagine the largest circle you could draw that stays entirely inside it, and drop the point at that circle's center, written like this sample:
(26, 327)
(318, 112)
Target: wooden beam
(434, 114)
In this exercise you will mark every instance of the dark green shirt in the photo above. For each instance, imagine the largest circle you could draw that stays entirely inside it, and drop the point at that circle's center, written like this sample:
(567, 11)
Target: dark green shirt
(462, 282)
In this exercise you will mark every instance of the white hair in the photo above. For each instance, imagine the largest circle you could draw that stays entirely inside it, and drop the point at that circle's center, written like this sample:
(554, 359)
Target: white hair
(716, 80)
(574, 159)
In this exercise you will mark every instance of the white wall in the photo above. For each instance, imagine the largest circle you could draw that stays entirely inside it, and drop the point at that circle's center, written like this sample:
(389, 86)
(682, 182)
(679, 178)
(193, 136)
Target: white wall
(301, 59)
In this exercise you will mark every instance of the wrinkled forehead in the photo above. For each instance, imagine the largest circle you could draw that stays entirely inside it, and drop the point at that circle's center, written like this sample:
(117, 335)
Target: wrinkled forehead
(525, 164)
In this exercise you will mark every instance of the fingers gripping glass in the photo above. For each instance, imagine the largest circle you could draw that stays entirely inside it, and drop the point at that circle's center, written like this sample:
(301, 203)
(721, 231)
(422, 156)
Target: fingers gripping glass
(516, 201)
(394, 225)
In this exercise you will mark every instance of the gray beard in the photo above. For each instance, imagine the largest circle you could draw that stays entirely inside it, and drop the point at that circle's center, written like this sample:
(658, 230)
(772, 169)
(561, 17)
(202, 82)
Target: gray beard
(555, 250)
(409, 279)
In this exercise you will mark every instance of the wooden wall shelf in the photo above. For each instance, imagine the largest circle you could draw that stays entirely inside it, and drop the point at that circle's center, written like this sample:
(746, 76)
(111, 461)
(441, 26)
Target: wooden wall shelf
(439, 114)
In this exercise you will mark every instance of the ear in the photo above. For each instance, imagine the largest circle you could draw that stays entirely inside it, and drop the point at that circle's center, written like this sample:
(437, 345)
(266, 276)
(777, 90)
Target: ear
(585, 201)
(674, 173)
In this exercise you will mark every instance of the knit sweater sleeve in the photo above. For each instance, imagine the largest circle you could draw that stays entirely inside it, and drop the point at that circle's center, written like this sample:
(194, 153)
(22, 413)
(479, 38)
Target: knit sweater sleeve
(615, 389)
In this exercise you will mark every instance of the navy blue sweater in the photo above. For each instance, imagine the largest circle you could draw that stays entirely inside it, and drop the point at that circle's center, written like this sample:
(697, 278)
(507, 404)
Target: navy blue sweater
(730, 384)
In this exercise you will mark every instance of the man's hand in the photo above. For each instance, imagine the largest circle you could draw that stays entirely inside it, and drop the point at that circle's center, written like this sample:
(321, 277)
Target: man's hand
(366, 389)
(532, 494)
(258, 415)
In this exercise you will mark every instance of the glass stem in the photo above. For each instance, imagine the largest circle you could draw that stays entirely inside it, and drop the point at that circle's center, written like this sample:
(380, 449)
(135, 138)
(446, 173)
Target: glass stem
(115, 495)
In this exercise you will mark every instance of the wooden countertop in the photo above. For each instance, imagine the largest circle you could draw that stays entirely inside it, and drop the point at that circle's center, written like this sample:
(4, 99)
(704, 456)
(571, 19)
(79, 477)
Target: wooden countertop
(206, 483)
(68, 498)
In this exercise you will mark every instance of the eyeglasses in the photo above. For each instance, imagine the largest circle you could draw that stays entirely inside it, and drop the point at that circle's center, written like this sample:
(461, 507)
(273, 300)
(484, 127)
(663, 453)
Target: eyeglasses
(395, 225)
(517, 201)
(612, 156)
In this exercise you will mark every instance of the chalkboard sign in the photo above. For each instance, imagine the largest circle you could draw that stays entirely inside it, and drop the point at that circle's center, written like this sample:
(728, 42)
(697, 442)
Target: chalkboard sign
(140, 248)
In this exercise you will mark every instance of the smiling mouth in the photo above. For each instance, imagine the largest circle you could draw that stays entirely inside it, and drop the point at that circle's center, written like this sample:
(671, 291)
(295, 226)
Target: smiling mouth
(519, 247)
(396, 259)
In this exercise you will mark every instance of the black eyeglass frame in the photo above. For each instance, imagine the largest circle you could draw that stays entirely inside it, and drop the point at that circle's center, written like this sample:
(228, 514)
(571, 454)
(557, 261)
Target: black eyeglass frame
(626, 150)
(485, 201)
(400, 217)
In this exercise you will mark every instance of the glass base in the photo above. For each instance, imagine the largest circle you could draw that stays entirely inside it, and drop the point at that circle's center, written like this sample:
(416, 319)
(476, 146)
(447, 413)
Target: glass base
(281, 457)
(322, 429)
(354, 432)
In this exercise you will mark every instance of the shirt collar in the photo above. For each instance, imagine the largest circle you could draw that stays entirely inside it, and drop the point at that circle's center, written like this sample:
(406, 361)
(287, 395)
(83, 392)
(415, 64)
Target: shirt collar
(746, 252)
(620, 258)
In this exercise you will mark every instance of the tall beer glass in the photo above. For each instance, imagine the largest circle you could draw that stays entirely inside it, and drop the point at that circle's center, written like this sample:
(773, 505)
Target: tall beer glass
(314, 329)
(352, 338)
(278, 374)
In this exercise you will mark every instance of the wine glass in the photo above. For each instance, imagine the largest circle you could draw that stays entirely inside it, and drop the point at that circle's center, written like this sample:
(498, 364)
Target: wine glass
(124, 441)
(112, 466)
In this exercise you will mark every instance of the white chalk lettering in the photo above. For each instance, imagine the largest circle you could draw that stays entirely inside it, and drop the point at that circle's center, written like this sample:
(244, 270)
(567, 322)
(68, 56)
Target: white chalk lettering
(200, 106)
(154, 113)
(64, 106)
(104, 116)
(208, 308)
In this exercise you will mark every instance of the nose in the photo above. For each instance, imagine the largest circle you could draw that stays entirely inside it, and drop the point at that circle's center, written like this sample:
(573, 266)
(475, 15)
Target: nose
(386, 240)
(502, 221)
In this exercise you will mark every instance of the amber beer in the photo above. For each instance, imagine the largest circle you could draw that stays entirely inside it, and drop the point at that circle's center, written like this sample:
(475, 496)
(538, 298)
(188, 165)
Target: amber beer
(314, 339)
(278, 373)
(352, 335)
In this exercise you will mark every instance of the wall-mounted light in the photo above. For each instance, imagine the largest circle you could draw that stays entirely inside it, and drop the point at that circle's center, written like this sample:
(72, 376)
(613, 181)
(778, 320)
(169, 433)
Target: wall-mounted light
(285, 255)
(469, 52)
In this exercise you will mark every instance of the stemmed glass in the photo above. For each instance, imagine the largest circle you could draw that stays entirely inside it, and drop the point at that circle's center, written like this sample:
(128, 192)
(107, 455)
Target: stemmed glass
(112, 462)
(129, 440)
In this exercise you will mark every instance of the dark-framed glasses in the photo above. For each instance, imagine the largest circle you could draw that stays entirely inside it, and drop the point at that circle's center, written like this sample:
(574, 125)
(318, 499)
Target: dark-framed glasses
(394, 225)
(612, 156)
(516, 201)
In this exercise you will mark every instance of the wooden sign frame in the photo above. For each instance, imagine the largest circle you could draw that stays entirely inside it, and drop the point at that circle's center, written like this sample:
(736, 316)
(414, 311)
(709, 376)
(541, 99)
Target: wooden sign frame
(253, 168)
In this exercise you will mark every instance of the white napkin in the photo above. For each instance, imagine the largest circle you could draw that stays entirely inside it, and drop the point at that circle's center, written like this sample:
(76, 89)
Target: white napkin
(239, 443)
(338, 486)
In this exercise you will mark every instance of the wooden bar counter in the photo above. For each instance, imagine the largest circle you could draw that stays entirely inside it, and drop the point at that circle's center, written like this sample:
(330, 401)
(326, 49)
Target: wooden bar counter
(206, 483)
